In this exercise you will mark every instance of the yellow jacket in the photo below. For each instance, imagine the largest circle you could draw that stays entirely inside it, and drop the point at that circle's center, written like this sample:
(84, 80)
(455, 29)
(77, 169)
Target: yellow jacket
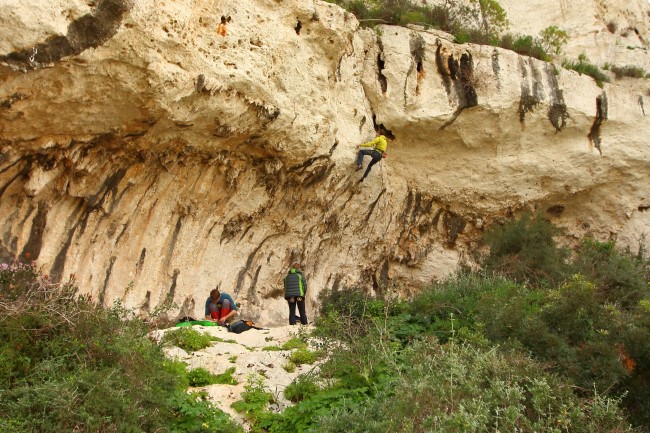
(378, 143)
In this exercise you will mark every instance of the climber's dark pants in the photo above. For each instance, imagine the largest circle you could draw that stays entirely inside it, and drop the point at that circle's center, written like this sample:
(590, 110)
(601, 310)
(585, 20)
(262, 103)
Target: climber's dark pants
(376, 157)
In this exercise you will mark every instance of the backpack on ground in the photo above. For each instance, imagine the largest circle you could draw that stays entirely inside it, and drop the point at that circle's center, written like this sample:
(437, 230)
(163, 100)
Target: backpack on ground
(242, 325)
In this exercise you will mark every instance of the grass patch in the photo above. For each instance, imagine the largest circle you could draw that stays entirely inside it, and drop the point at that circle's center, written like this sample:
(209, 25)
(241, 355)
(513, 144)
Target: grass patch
(583, 66)
(188, 339)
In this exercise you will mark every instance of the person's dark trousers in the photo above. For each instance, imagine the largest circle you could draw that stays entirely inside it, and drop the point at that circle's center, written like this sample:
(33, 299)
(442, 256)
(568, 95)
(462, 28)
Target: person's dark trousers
(301, 309)
(376, 157)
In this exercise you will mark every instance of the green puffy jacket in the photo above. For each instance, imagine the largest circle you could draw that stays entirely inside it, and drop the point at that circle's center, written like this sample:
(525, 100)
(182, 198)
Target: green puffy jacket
(294, 284)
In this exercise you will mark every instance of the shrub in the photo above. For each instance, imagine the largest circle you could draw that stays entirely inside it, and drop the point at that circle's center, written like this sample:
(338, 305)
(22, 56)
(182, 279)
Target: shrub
(461, 388)
(254, 400)
(553, 39)
(303, 356)
(582, 66)
(528, 46)
(525, 251)
(289, 367)
(629, 71)
(619, 277)
(188, 339)
(294, 343)
(75, 366)
(301, 388)
(202, 377)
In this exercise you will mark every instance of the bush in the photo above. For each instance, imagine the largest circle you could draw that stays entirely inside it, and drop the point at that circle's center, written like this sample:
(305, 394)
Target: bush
(70, 365)
(461, 388)
(629, 71)
(294, 343)
(553, 39)
(188, 339)
(301, 388)
(202, 377)
(619, 278)
(582, 66)
(303, 356)
(254, 400)
(525, 250)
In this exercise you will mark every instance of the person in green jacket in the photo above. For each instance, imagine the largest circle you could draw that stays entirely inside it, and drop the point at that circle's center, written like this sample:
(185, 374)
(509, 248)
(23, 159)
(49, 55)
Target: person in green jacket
(295, 288)
(376, 149)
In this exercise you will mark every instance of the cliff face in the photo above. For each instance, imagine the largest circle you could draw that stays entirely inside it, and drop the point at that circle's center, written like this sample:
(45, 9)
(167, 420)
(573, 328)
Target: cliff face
(159, 149)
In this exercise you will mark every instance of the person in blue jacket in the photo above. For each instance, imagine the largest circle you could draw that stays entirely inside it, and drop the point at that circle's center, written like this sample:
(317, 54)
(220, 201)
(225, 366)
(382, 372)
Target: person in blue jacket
(295, 288)
(220, 307)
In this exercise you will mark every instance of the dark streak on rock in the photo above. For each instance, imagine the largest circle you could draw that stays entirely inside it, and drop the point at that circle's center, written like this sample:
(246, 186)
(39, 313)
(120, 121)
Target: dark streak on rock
(249, 262)
(89, 31)
(56, 270)
(96, 201)
(557, 112)
(143, 255)
(446, 80)
(251, 289)
(599, 121)
(32, 248)
(373, 205)
(22, 172)
(172, 290)
(454, 224)
(383, 81)
(109, 270)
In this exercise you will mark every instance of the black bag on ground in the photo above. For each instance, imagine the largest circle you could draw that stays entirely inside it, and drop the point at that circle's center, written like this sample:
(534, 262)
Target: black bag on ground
(240, 326)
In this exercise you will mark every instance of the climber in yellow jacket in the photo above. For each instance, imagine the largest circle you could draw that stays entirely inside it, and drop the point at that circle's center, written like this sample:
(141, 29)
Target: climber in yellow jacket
(376, 149)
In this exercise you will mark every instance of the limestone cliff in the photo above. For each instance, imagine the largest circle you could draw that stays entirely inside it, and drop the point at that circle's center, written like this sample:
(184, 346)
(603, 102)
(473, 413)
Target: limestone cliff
(159, 149)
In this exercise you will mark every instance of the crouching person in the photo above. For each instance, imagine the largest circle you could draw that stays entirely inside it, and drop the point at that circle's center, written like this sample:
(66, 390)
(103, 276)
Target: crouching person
(295, 288)
(220, 307)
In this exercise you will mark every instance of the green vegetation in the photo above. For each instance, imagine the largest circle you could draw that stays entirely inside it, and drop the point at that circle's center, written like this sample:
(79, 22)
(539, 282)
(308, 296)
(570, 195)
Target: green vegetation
(629, 71)
(303, 356)
(254, 400)
(202, 377)
(69, 365)
(188, 339)
(582, 66)
(294, 343)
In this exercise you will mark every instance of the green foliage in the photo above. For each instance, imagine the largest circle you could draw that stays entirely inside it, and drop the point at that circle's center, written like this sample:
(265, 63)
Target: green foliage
(553, 39)
(272, 348)
(630, 71)
(463, 388)
(525, 251)
(479, 21)
(294, 343)
(202, 377)
(301, 388)
(195, 414)
(71, 365)
(188, 339)
(254, 400)
(289, 367)
(619, 278)
(526, 45)
(303, 356)
(582, 66)
(222, 340)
